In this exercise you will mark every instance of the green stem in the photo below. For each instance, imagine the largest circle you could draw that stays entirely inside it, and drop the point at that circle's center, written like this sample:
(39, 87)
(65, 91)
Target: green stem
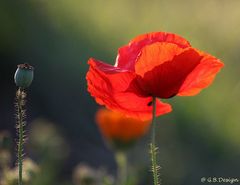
(122, 167)
(20, 127)
(153, 148)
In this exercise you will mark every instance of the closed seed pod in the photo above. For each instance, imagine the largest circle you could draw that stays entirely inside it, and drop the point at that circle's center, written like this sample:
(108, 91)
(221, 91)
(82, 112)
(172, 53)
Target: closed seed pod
(24, 75)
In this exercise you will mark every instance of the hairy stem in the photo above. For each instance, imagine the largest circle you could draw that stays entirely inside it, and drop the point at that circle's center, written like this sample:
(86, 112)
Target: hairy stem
(20, 97)
(153, 148)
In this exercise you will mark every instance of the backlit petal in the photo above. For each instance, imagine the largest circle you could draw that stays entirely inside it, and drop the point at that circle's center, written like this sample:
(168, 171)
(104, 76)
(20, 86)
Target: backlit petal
(165, 79)
(154, 55)
(108, 84)
(128, 54)
(201, 77)
(114, 78)
(139, 107)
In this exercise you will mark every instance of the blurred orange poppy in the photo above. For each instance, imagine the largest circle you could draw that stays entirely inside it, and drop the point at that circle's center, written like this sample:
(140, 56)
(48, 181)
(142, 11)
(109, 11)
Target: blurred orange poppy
(156, 64)
(117, 128)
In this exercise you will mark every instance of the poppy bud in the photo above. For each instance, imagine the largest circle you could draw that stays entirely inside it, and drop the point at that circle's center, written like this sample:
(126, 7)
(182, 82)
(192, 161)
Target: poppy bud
(24, 75)
(120, 132)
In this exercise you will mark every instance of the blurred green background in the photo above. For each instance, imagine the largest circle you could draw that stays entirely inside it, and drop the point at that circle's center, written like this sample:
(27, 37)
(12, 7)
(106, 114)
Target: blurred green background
(200, 138)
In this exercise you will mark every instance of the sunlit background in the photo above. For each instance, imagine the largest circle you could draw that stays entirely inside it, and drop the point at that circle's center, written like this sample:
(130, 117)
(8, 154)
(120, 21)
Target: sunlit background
(200, 138)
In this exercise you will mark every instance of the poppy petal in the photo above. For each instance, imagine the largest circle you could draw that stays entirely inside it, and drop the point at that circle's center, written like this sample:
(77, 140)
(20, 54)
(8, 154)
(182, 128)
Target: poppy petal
(104, 80)
(166, 78)
(107, 84)
(138, 107)
(128, 54)
(201, 77)
(154, 55)
(115, 79)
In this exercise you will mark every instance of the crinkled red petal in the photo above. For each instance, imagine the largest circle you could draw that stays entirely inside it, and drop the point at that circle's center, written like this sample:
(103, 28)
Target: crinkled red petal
(155, 55)
(115, 79)
(138, 107)
(202, 76)
(165, 79)
(108, 84)
(128, 54)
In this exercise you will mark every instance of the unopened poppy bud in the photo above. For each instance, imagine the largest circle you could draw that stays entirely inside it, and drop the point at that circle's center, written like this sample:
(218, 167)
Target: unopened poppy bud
(24, 75)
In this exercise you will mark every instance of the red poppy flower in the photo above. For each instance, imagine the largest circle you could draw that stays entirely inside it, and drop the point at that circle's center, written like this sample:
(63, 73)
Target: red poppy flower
(155, 64)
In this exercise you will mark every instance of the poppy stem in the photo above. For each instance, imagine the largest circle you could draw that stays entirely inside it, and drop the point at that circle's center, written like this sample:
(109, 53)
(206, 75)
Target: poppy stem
(153, 148)
(20, 98)
(121, 159)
